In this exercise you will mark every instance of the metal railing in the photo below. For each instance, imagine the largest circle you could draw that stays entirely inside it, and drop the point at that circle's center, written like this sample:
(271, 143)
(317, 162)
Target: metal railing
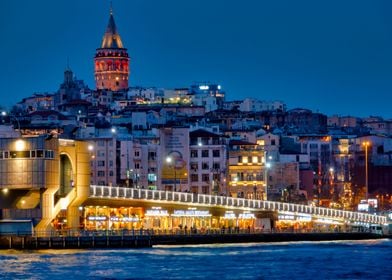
(178, 231)
(232, 203)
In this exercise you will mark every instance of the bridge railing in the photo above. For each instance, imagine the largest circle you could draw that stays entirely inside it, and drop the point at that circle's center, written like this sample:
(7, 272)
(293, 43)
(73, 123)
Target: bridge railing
(249, 204)
(76, 232)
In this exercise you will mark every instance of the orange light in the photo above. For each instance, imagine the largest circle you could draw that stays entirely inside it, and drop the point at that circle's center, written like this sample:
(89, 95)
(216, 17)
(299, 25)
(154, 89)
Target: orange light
(366, 143)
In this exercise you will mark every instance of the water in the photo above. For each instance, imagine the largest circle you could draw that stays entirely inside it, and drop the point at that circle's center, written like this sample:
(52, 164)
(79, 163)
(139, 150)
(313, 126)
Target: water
(371, 259)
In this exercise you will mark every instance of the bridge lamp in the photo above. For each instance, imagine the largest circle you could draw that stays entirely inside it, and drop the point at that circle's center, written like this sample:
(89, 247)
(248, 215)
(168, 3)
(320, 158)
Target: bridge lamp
(171, 162)
(20, 145)
(169, 159)
(267, 166)
(366, 144)
(3, 113)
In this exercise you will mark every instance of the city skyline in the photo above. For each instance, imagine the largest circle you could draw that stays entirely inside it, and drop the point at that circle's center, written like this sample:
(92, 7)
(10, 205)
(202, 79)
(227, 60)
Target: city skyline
(333, 59)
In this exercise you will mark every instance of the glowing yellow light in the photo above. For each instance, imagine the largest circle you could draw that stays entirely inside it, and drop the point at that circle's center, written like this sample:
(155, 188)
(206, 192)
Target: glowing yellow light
(366, 143)
(20, 145)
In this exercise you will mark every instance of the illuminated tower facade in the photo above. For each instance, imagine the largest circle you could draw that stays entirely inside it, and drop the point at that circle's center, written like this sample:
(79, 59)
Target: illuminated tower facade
(111, 60)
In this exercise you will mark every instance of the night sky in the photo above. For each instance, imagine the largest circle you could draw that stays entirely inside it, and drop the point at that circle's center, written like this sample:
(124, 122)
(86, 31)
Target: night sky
(334, 57)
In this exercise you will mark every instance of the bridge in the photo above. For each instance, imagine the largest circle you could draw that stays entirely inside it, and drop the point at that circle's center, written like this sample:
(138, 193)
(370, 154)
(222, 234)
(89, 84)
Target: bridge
(156, 197)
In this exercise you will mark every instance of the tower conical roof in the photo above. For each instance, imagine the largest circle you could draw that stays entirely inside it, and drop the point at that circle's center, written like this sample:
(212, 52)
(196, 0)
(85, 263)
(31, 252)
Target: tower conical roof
(111, 39)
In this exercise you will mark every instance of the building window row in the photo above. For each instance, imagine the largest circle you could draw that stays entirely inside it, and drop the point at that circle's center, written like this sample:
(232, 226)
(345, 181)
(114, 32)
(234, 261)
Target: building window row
(27, 154)
(204, 178)
(194, 166)
(249, 159)
(205, 153)
(247, 177)
(102, 173)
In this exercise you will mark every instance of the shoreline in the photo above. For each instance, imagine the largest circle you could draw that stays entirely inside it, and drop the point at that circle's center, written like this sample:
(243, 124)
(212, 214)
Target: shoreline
(149, 241)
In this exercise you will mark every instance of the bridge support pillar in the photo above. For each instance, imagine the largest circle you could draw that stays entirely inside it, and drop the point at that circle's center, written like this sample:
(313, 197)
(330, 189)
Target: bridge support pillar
(82, 184)
(73, 217)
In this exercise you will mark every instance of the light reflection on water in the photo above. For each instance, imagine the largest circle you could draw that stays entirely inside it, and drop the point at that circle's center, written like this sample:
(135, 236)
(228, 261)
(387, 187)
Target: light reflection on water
(304, 260)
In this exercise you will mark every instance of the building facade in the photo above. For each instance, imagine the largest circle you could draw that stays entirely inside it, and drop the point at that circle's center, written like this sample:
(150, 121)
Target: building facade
(247, 170)
(207, 162)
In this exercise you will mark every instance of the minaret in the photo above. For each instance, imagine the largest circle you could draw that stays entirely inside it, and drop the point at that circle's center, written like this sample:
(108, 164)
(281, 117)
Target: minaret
(111, 60)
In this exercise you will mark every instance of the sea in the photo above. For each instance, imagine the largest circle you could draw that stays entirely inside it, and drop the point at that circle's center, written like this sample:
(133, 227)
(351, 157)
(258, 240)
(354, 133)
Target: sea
(368, 259)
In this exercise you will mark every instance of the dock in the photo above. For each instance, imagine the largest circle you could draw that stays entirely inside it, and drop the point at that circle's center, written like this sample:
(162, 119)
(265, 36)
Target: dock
(151, 240)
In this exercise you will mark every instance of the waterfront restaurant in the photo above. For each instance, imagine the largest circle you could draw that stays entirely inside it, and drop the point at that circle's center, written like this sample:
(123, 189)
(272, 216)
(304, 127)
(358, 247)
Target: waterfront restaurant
(160, 218)
(243, 220)
(105, 218)
(290, 222)
(303, 222)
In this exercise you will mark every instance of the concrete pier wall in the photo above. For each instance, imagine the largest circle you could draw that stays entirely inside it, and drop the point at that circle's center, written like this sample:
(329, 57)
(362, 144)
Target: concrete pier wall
(70, 242)
(145, 241)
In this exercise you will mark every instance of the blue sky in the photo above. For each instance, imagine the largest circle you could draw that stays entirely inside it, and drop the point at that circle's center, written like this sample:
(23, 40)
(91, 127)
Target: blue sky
(328, 56)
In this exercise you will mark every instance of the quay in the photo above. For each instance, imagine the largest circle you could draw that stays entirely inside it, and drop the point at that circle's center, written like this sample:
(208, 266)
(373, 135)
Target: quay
(147, 239)
(74, 242)
(259, 238)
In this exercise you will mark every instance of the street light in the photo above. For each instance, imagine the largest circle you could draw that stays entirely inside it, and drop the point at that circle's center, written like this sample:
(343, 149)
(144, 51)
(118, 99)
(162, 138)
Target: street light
(131, 175)
(3, 113)
(93, 167)
(171, 162)
(366, 144)
(215, 183)
(267, 166)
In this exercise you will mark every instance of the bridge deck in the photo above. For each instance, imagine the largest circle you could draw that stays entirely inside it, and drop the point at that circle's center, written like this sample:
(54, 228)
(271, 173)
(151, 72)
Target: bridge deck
(108, 192)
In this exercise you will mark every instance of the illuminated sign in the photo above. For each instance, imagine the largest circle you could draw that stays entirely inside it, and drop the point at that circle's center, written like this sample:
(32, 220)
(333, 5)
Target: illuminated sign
(157, 212)
(230, 215)
(304, 217)
(363, 206)
(366, 205)
(299, 217)
(327, 221)
(191, 213)
(124, 219)
(204, 87)
(286, 217)
(130, 219)
(246, 216)
(97, 218)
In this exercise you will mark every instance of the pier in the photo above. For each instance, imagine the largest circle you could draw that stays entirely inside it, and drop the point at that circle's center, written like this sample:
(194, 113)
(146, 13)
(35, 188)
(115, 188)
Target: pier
(149, 238)
(74, 242)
